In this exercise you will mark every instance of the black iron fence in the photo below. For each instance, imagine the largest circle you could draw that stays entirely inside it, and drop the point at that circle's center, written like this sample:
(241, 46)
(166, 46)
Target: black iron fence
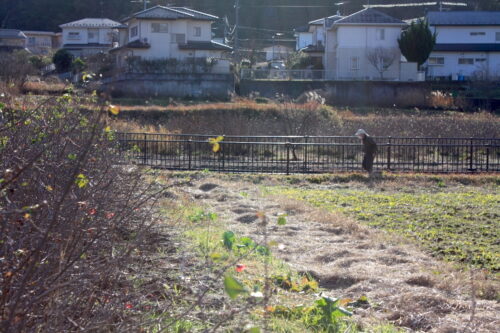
(309, 154)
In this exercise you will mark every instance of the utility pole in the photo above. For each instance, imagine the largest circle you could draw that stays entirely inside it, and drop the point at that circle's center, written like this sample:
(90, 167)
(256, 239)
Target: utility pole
(236, 26)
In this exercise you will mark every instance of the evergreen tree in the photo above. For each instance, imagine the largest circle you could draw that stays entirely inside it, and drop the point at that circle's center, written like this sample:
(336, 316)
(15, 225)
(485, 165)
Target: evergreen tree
(417, 42)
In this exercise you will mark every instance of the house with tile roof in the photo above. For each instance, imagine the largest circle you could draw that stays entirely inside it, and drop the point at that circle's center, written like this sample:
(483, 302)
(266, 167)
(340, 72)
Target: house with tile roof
(360, 46)
(11, 40)
(363, 46)
(467, 45)
(172, 33)
(90, 35)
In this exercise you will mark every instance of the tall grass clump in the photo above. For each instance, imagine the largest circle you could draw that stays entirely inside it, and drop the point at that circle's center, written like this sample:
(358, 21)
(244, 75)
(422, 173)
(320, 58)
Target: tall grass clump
(70, 218)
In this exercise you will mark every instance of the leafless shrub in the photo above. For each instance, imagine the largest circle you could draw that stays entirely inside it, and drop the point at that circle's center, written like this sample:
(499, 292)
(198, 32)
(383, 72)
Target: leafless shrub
(15, 67)
(69, 220)
(381, 58)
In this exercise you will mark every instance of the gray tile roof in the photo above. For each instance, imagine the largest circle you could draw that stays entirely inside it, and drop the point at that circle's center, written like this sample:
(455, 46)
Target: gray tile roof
(463, 18)
(172, 13)
(12, 34)
(93, 23)
(369, 16)
(329, 20)
(476, 47)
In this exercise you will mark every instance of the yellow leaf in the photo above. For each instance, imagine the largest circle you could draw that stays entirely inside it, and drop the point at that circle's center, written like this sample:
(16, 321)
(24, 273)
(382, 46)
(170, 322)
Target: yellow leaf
(107, 129)
(216, 147)
(114, 109)
(49, 188)
(219, 139)
(27, 216)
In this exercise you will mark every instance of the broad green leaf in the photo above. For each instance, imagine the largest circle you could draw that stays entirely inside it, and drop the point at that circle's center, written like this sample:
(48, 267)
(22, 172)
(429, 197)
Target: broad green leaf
(81, 180)
(263, 250)
(228, 238)
(282, 219)
(254, 330)
(233, 287)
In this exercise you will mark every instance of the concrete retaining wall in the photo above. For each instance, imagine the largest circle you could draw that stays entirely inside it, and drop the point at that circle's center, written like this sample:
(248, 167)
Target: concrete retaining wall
(196, 85)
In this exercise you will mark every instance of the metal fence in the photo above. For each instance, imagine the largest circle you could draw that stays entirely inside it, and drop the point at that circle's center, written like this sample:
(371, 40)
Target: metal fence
(309, 154)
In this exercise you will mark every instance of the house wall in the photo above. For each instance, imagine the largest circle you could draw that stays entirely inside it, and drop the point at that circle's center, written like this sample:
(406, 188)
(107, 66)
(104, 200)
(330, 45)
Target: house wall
(486, 69)
(450, 34)
(304, 39)
(162, 43)
(451, 68)
(38, 43)
(12, 42)
(104, 36)
(353, 46)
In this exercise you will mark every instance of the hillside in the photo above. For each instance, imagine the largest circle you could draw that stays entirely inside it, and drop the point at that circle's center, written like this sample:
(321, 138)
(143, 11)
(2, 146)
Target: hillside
(260, 19)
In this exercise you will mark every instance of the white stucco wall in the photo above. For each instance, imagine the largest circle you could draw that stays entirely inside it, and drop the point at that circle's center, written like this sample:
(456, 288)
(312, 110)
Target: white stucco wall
(451, 68)
(347, 42)
(161, 43)
(304, 39)
(103, 33)
(446, 34)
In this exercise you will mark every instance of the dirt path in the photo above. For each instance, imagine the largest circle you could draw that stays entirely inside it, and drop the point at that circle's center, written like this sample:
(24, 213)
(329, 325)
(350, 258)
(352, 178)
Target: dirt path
(404, 285)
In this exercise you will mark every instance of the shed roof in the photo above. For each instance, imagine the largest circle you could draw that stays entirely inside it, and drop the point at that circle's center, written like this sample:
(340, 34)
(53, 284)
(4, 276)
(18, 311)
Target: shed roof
(93, 23)
(369, 16)
(464, 18)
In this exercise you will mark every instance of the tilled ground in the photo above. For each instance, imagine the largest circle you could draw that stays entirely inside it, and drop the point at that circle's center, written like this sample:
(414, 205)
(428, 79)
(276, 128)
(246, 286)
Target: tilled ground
(404, 285)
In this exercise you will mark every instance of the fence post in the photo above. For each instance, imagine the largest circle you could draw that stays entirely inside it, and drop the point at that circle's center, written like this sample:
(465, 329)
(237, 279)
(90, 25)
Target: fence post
(487, 157)
(145, 156)
(471, 152)
(306, 141)
(189, 154)
(223, 154)
(389, 154)
(288, 158)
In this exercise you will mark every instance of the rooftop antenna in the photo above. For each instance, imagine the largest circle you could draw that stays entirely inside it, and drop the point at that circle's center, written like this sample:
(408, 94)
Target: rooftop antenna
(145, 2)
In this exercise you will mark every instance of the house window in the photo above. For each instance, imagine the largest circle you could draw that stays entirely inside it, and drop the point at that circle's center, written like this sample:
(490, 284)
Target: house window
(435, 61)
(354, 63)
(497, 36)
(465, 61)
(178, 39)
(197, 31)
(477, 33)
(74, 35)
(380, 34)
(134, 31)
(92, 35)
(31, 41)
(480, 60)
(159, 27)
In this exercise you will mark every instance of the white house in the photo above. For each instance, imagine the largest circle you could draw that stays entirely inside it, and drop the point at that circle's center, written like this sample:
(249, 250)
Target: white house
(41, 42)
(277, 52)
(172, 33)
(467, 45)
(363, 46)
(311, 39)
(90, 35)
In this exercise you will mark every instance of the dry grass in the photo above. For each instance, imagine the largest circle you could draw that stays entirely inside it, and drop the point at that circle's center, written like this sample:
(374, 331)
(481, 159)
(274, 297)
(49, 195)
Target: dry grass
(41, 88)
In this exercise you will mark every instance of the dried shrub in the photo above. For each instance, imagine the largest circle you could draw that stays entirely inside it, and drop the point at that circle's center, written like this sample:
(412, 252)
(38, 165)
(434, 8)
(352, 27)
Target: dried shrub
(69, 220)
